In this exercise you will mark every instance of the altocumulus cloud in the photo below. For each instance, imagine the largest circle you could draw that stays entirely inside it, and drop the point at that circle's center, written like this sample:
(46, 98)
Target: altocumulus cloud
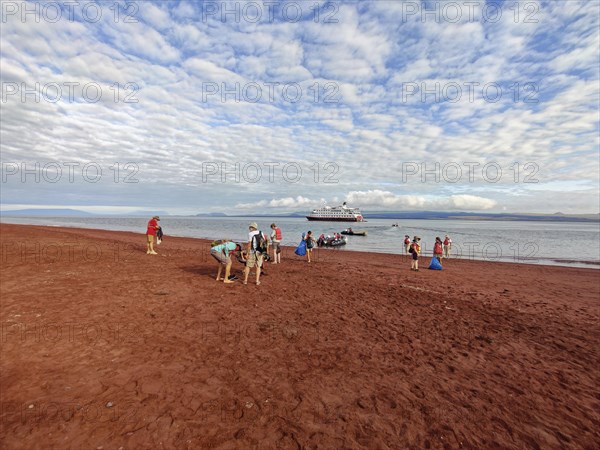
(350, 92)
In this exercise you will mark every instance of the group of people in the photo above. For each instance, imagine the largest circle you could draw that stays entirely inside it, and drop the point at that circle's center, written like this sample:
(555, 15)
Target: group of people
(255, 253)
(257, 248)
(441, 249)
(334, 236)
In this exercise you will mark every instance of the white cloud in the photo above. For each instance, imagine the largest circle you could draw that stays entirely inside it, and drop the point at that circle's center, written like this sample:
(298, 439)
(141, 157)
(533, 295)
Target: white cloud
(380, 200)
(368, 131)
(385, 200)
(287, 203)
(155, 16)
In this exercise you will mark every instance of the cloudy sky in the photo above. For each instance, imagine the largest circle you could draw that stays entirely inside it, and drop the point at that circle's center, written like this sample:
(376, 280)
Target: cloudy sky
(270, 107)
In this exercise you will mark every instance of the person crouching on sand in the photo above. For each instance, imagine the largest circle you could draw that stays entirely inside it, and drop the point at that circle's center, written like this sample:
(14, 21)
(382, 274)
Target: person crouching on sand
(415, 250)
(150, 233)
(221, 252)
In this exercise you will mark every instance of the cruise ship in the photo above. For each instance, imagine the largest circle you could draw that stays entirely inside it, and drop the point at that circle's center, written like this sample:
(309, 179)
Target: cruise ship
(336, 213)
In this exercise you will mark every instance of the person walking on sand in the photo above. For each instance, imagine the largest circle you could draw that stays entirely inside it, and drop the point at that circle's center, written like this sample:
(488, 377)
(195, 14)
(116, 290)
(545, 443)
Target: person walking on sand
(406, 244)
(150, 234)
(415, 250)
(310, 243)
(255, 257)
(447, 246)
(276, 237)
(221, 252)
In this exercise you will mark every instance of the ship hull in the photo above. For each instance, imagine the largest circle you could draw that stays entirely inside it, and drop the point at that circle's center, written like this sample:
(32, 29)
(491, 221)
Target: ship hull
(330, 219)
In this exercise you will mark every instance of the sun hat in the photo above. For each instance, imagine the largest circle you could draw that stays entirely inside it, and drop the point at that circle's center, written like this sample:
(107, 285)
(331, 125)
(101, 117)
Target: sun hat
(253, 225)
(156, 217)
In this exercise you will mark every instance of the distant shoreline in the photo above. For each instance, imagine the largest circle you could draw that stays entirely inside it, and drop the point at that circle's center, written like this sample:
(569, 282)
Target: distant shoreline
(425, 215)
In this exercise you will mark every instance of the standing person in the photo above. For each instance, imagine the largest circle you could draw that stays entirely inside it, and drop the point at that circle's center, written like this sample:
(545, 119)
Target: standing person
(276, 237)
(437, 249)
(415, 250)
(310, 243)
(406, 243)
(221, 252)
(255, 256)
(447, 246)
(150, 233)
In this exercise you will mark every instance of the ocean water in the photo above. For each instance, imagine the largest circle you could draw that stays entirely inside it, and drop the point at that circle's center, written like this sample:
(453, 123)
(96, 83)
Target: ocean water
(550, 243)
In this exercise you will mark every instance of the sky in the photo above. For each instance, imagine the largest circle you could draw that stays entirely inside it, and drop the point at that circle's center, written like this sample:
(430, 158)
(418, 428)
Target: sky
(273, 107)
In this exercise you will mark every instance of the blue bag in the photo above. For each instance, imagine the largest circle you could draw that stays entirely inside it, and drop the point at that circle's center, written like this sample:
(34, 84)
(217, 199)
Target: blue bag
(301, 249)
(435, 264)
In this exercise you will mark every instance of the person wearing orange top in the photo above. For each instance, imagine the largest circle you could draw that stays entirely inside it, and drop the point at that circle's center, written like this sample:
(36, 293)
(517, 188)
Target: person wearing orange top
(150, 234)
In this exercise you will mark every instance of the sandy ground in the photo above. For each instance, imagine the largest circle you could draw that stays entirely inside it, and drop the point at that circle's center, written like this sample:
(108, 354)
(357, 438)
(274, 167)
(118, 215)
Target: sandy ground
(105, 347)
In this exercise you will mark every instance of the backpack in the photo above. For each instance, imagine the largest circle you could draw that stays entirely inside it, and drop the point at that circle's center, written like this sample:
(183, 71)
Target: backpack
(278, 233)
(411, 249)
(259, 243)
(309, 242)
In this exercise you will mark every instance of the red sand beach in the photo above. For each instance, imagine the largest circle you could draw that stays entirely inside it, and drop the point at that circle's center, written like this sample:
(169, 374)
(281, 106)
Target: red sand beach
(105, 347)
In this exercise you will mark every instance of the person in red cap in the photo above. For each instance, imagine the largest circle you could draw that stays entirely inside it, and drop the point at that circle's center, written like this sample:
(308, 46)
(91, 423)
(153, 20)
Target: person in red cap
(150, 233)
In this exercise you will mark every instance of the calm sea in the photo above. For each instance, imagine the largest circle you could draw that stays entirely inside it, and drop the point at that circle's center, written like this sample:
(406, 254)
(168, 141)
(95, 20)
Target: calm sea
(551, 243)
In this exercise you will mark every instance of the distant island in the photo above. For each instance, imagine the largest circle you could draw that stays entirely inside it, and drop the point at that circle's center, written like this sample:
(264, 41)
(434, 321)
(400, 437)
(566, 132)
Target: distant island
(46, 212)
(69, 212)
(450, 215)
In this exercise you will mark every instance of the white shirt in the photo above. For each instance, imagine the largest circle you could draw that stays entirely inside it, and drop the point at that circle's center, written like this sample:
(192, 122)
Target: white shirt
(250, 236)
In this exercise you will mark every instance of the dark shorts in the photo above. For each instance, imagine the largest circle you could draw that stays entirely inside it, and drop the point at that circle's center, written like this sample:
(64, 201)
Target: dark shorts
(415, 256)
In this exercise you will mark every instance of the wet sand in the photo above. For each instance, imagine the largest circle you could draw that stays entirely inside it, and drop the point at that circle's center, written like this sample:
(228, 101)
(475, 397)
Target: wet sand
(106, 347)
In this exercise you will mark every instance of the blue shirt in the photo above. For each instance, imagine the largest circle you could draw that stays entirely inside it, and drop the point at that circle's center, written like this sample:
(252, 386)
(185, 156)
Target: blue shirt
(225, 247)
